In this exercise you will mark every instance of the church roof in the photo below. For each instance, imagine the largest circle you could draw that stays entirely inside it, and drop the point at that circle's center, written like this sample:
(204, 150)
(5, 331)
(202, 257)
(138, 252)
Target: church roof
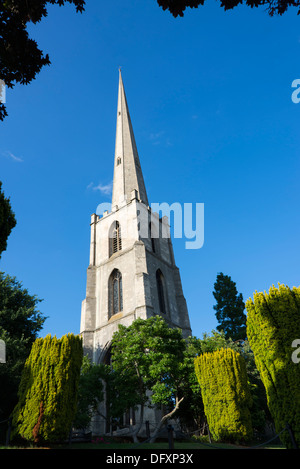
(128, 174)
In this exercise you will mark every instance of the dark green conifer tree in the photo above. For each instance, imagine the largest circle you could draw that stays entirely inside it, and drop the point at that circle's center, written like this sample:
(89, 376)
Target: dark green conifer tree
(230, 308)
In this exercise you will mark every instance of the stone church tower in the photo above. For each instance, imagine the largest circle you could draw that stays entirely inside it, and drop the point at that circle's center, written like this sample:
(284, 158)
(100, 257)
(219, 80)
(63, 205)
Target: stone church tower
(132, 272)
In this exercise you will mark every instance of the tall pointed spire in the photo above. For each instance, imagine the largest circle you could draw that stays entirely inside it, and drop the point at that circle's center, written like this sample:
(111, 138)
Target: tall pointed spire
(128, 174)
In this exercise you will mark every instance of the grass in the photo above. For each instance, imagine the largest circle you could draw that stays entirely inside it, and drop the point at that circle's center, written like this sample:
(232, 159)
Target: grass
(156, 446)
(109, 445)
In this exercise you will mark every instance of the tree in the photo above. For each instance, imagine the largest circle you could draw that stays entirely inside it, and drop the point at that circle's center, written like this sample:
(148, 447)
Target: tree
(7, 219)
(148, 357)
(177, 7)
(20, 58)
(229, 308)
(226, 397)
(20, 323)
(48, 390)
(273, 326)
(90, 391)
(260, 413)
(191, 411)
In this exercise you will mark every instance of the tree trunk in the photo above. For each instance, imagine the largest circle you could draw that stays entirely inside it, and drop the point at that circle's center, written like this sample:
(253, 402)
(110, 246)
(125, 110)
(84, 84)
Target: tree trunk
(134, 432)
(36, 428)
(165, 418)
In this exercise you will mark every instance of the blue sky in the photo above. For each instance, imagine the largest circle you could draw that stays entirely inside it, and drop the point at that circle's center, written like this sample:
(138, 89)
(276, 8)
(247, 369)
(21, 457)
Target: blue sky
(210, 101)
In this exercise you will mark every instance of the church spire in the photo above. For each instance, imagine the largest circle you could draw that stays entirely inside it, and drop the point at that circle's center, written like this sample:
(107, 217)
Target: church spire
(128, 174)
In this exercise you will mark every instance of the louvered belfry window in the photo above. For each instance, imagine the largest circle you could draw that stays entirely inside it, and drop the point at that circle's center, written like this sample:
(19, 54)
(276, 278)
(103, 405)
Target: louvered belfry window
(115, 239)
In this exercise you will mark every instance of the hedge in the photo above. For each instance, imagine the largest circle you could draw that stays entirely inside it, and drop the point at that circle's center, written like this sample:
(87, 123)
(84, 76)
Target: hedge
(226, 397)
(48, 390)
(273, 323)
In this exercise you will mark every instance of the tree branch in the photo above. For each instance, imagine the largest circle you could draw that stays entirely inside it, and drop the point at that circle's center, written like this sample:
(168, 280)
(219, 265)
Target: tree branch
(166, 417)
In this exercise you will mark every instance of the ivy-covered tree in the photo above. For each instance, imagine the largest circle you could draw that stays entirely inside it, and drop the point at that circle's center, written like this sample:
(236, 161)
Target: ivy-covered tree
(20, 57)
(226, 396)
(48, 390)
(229, 308)
(273, 325)
(7, 219)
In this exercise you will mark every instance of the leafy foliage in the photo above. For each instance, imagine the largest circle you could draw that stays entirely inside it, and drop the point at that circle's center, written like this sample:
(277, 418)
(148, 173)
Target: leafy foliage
(177, 7)
(152, 350)
(148, 356)
(226, 396)
(48, 390)
(19, 317)
(90, 391)
(229, 308)
(273, 323)
(134, 371)
(7, 220)
(20, 58)
(191, 411)
(20, 323)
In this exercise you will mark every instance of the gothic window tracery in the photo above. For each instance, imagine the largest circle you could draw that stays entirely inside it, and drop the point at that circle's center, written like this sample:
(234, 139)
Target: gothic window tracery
(115, 288)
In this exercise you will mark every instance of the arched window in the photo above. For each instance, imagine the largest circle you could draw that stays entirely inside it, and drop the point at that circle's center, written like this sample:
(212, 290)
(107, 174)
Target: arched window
(115, 293)
(161, 292)
(115, 240)
(153, 237)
